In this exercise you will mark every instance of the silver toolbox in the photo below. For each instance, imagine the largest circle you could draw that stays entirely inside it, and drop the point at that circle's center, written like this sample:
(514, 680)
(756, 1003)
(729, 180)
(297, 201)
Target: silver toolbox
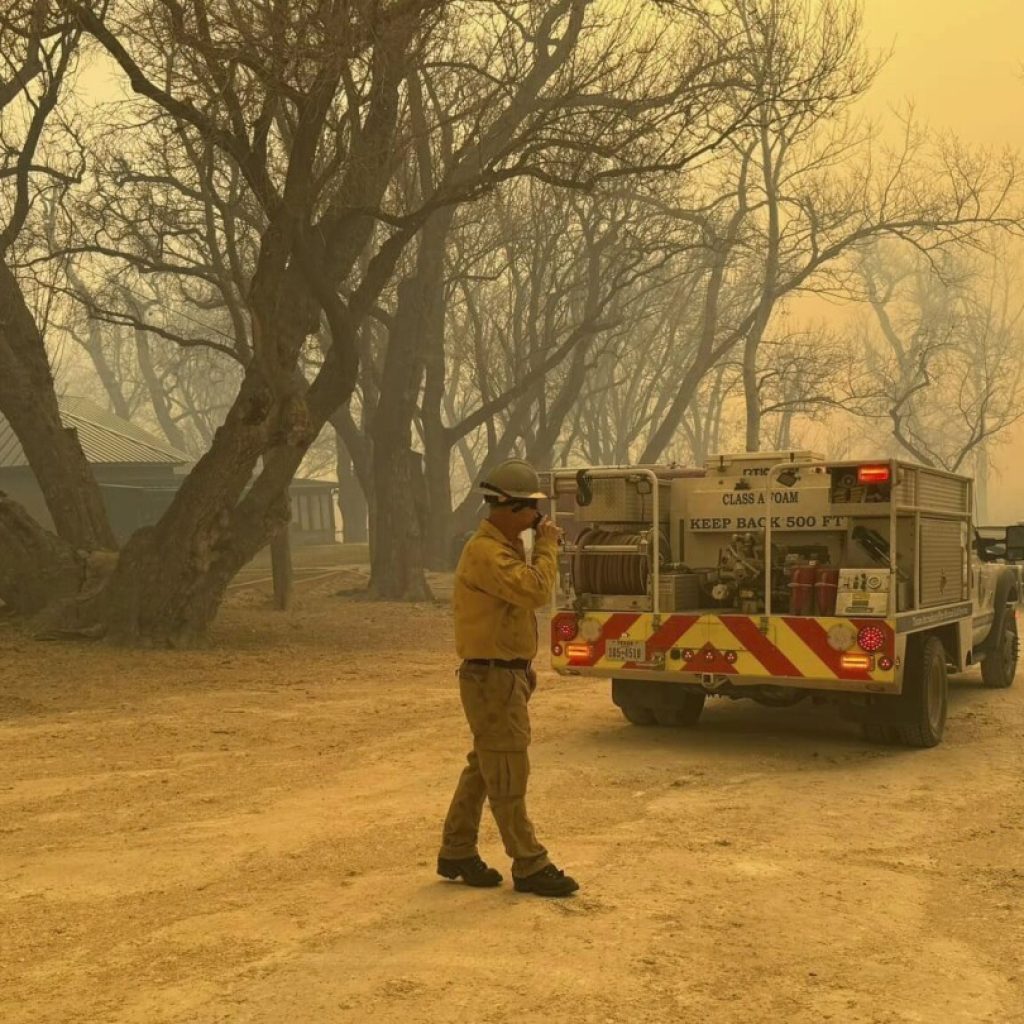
(940, 492)
(943, 561)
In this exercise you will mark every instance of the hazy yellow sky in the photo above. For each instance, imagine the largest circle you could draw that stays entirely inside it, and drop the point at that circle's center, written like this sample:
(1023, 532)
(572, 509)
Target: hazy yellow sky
(962, 61)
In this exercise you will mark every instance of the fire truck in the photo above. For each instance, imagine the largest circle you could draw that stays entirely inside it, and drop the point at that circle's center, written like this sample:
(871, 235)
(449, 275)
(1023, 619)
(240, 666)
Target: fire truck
(780, 577)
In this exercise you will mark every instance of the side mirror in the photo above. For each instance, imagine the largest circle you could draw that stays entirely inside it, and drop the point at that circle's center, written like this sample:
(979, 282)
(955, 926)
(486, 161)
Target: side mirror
(1015, 543)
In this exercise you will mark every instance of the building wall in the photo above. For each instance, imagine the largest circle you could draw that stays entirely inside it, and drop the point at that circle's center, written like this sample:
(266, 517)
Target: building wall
(20, 485)
(134, 496)
(138, 495)
(314, 515)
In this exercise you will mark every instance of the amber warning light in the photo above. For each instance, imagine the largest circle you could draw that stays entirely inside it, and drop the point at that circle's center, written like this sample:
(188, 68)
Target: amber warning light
(872, 474)
(579, 652)
(857, 661)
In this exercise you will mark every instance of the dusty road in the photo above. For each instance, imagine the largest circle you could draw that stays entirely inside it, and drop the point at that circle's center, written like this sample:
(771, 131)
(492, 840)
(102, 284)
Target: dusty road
(247, 835)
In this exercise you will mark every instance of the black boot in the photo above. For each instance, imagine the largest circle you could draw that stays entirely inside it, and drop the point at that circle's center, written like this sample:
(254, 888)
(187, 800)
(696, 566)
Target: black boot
(472, 870)
(548, 881)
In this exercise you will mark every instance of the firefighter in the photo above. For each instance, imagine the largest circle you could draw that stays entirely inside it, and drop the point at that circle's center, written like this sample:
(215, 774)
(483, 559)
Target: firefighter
(495, 598)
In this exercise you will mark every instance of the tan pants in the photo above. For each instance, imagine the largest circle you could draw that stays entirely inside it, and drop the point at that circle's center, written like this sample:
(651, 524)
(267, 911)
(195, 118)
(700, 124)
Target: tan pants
(495, 701)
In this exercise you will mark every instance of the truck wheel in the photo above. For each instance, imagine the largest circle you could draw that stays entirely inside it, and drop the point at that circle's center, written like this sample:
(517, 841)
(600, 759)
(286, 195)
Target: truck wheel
(926, 693)
(684, 714)
(877, 732)
(638, 714)
(999, 666)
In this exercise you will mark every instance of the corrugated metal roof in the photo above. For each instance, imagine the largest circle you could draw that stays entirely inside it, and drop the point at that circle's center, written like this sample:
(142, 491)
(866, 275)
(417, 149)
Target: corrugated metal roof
(105, 438)
(10, 450)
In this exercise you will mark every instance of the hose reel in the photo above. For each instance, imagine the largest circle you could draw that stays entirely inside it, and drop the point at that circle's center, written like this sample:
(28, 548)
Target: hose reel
(616, 561)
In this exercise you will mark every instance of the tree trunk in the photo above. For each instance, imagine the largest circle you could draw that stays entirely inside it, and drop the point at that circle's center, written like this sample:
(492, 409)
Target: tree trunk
(94, 348)
(415, 349)
(766, 305)
(704, 357)
(351, 498)
(785, 441)
(170, 579)
(281, 568)
(105, 372)
(440, 521)
(752, 394)
(981, 477)
(397, 570)
(437, 443)
(36, 567)
(28, 401)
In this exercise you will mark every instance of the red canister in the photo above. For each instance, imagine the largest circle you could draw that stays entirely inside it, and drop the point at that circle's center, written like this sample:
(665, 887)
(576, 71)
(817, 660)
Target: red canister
(825, 590)
(801, 589)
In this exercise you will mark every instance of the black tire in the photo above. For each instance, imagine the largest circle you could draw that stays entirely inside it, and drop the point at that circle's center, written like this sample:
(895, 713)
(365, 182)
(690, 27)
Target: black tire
(925, 693)
(638, 714)
(683, 715)
(877, 732)
(999, 666)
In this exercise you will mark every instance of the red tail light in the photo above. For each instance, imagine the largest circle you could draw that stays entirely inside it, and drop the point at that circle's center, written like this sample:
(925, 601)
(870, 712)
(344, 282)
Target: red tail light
(873, 474)
(871, 638)
(564, 627)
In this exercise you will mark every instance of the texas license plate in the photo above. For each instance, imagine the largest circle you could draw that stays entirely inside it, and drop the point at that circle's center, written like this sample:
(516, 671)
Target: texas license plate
(625, 650)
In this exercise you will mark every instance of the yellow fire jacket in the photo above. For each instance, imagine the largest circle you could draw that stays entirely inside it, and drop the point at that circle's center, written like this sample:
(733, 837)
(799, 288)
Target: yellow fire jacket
(496, 594)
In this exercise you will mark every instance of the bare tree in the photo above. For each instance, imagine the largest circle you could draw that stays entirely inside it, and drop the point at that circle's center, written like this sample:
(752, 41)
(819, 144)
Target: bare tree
(38, 155)
(577, 119)
(946, 351)
(182, 392)
(806, 187)
(322, 222)
(803, 376)
(278, 138)
(806, 68)
(312, 131)
(534, 321)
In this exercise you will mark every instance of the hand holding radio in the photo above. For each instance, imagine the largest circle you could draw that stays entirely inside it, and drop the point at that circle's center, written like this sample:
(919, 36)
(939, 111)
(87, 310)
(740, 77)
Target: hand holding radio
(547, 529)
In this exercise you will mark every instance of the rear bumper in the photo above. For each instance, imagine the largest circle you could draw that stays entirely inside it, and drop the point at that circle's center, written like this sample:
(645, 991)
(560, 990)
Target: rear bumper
(837, 654)
(713, 682)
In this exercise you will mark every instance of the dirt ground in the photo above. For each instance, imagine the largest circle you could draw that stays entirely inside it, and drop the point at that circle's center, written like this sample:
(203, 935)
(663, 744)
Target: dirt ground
(247, 834)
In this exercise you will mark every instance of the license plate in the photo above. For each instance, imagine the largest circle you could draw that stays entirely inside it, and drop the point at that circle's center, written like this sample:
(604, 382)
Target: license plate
(625, 650)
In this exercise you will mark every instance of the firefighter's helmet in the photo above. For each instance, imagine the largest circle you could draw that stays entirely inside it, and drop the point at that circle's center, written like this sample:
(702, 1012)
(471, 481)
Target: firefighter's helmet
(511, 480)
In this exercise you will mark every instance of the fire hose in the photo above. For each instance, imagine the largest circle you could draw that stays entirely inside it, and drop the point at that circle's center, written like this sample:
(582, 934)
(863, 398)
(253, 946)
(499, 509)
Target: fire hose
(613, 561)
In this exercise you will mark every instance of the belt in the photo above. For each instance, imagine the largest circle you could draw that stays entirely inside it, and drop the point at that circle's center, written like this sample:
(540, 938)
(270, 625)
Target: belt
(516, 663)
